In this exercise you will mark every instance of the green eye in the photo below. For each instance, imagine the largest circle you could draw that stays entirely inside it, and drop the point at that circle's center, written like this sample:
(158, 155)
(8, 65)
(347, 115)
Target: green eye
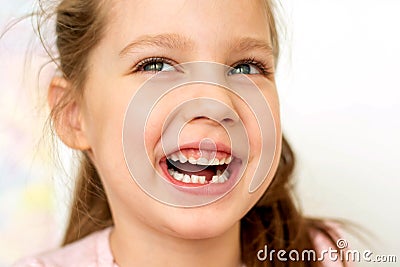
(244, 69)
(157, 66)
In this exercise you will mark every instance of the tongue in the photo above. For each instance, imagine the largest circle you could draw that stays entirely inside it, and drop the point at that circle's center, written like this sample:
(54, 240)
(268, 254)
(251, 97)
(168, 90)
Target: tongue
(189, 169)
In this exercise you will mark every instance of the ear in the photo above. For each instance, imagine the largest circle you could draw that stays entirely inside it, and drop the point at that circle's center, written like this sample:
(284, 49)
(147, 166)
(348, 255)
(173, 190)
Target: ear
(67, 119)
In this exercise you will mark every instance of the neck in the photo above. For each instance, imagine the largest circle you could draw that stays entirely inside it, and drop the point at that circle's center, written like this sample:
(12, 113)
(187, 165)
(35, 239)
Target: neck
(135, 247)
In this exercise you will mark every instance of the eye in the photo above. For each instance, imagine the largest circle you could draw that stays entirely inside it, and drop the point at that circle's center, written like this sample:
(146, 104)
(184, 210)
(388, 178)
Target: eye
(154, 65)
(157, 66)
(252, 66)
(244, 68)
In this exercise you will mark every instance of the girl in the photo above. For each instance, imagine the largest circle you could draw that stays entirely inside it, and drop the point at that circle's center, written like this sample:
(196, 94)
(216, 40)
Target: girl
(107, 51)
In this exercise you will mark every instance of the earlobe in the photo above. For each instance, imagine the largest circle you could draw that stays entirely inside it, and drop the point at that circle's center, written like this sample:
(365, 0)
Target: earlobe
(66, 114)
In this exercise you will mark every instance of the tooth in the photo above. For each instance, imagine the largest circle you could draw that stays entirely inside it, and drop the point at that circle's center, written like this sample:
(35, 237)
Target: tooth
(171, 172)
(215, 179)
(226, 174)
(182, 158)
(202, 161)
(178, 176)
(195, 179)
(215, 162)
(192, 160)
(221, 179)
(219, 172)
(222, 161)
(202, 179)
(228, 160)
(186, 178)
(174, 157)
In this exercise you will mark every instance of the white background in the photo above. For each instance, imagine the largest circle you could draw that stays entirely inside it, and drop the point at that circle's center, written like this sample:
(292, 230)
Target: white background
(340, 97)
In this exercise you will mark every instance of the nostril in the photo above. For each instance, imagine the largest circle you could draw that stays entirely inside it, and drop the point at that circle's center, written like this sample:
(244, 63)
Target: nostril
(228, 121)
(200, 117)
(206, 120)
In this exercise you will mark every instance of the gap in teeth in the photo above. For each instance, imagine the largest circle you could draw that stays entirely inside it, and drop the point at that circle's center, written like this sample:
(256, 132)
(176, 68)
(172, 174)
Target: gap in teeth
(219, 177)
(196, 179)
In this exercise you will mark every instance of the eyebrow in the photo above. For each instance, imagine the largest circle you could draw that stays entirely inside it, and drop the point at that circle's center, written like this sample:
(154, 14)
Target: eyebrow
(250, 43)
(171, 41)
(179, 42)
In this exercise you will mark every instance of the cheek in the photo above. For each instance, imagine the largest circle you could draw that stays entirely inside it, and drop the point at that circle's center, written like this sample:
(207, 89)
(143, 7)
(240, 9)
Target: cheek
(106, 130)
(162, 112)
(255, 133)
(104, 112)
(154, 127)
(259, 136)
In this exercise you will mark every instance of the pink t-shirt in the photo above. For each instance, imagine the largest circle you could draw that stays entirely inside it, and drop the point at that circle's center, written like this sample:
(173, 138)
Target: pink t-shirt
(91, 251)
(94, 251)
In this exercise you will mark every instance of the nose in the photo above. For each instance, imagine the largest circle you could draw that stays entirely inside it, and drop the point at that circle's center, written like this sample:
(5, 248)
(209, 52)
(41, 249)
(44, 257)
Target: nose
(212, 103)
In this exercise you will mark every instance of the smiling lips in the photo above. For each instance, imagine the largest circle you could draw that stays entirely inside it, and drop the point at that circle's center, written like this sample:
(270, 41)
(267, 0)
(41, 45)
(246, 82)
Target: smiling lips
(194, 167)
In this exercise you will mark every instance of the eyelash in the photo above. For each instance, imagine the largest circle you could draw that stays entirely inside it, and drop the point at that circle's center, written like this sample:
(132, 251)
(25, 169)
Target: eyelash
(139, 66)
(263, 67)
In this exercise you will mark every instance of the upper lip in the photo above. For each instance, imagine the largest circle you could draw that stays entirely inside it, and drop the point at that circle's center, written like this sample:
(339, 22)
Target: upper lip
(217, 146)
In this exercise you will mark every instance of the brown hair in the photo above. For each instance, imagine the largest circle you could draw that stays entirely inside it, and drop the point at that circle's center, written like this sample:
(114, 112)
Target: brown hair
(275, 220)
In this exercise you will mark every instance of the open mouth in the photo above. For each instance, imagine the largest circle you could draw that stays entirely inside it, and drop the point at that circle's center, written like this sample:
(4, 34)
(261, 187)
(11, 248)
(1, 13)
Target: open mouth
(194, 168)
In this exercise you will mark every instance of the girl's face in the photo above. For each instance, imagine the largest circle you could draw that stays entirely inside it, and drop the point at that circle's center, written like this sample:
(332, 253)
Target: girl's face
(147, 36)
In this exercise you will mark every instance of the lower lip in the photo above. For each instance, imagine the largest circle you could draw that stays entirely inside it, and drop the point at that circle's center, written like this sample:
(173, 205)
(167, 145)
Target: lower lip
(205, 189)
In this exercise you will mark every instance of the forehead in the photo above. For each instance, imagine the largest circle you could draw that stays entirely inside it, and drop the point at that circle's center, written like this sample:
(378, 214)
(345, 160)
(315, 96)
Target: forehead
(200, 21)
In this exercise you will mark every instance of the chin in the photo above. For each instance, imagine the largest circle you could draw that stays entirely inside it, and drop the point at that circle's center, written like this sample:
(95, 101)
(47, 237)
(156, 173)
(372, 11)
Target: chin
(189, 224)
